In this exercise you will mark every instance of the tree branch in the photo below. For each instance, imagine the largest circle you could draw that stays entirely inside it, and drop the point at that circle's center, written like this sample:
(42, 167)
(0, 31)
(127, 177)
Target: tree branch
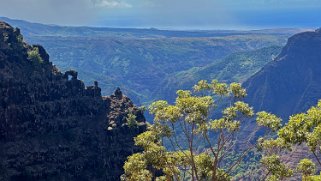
(315, 155)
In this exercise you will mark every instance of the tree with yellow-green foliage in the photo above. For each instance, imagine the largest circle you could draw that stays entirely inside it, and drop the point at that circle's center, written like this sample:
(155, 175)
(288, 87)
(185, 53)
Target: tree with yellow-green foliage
(189, 123)
(303, 128)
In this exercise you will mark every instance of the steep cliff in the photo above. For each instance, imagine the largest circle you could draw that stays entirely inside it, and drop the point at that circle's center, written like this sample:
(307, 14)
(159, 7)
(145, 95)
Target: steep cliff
(53, 127)
(291, 83)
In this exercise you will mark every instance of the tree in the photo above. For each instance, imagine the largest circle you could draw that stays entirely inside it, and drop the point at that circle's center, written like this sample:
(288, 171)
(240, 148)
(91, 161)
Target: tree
(301, 129)
(186, 126)
(305, 128)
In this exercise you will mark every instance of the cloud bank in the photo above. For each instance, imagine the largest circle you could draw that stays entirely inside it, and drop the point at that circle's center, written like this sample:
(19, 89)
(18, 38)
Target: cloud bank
(111, 3)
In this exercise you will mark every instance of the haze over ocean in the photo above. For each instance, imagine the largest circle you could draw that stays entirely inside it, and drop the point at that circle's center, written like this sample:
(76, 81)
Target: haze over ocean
(168, 14)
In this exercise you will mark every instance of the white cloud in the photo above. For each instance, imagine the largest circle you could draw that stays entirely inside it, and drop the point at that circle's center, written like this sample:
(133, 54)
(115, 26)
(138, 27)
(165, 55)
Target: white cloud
(111, 3)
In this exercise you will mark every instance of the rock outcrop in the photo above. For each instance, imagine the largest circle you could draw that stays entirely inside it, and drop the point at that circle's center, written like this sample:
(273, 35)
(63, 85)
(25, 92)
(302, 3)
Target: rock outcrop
(291, 83)
(53, 127)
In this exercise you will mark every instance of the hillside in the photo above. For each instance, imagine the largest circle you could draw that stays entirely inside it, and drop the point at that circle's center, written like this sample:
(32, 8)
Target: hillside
(236, 67)
(139, 60)
(53, 127)
(292, 82)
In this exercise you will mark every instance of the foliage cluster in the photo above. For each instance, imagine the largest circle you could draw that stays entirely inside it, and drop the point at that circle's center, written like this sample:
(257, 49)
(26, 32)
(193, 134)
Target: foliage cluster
(302, 129)
(34, 56)
(191, 114)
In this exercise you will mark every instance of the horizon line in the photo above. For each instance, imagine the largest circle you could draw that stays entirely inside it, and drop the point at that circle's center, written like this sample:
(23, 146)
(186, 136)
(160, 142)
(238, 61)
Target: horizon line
(168, 28)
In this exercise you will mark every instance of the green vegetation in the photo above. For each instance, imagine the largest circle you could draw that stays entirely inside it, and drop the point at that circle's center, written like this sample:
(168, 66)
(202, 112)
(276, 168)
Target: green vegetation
(302, 129)
(131, 120)
(151, 64)
(236, 67)
(307, 168)
(142, 65)
(191, 114)
(147, 63)
(34, 56)
(203, 148)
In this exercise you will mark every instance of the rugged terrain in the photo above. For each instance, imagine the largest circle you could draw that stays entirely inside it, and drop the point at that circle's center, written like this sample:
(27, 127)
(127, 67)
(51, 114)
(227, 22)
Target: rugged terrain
(144, 61)
(289, 85)
(53, 127)
(292, 82)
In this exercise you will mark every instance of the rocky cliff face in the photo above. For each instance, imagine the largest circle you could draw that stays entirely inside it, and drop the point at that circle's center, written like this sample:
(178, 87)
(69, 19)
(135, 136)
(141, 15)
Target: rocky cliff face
(291, 83)
(53, 127)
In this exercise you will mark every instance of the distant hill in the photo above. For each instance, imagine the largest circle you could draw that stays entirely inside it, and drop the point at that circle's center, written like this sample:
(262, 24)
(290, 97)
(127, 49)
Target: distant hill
(141, 60)
(291, 83)
(38, 29)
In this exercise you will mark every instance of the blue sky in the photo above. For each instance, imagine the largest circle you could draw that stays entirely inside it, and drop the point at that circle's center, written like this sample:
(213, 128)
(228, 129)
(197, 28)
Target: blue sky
(169, 14)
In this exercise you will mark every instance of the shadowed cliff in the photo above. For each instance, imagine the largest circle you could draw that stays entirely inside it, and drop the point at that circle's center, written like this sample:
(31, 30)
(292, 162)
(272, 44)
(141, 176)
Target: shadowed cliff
(53, 127)
(291, 83)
